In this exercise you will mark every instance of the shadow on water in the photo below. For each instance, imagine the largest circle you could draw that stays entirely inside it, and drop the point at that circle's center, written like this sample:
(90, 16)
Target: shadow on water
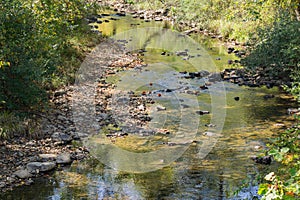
(249, 122)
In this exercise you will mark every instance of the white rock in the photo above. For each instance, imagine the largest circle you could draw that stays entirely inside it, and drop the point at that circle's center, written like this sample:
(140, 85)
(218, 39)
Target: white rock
(160, 108)
(141, 107)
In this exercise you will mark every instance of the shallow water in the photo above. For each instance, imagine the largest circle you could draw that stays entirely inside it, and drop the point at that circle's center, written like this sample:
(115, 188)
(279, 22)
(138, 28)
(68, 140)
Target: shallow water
(239, 129)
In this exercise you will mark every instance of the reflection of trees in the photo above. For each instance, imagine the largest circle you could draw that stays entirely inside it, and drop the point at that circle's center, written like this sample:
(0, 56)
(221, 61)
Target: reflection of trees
(157, 184)
(39, 190)
(253, 108)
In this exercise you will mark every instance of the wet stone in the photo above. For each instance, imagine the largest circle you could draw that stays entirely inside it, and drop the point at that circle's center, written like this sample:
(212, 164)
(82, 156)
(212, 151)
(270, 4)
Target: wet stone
(265, 160)
(160, 108)
(202, 112)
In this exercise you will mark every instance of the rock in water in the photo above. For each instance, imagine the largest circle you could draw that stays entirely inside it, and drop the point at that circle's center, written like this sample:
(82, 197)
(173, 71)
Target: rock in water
(269, 96)
(204, 112)
(292, 111)
(266, 160)
(160, 108)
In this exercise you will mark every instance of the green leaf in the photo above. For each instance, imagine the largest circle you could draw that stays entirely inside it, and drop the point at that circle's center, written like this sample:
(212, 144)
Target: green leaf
(273, 152)
(285, 149)
(293, 171)
(278, 157)
(263, 188)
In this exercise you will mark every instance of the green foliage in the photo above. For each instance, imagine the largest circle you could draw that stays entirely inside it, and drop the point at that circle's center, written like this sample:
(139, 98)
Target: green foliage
(294, 89)
(276, 52)
(36, 48)
(284, 184)
(232, 19)
(278, 48)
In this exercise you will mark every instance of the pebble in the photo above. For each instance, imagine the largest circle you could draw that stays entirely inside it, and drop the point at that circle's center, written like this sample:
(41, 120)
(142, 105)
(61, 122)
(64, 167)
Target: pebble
(209, 134)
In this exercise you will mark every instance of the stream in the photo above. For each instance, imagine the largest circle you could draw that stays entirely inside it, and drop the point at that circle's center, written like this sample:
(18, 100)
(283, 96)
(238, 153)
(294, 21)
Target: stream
(205, 156)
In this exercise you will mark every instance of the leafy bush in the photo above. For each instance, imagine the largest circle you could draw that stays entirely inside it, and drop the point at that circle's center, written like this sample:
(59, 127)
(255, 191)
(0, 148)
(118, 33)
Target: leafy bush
(277, 49)
(36, 49)
(285, 183)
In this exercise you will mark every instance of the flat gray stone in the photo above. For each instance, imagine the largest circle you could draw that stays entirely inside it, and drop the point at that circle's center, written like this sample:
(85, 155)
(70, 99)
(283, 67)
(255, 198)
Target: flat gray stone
(47, 157)
(64, 158)
(23, 174)
(58, 136)
(79, 135)
(40, 166)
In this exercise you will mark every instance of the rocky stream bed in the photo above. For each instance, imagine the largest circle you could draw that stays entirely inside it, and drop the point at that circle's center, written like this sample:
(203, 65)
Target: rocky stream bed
(22, 159)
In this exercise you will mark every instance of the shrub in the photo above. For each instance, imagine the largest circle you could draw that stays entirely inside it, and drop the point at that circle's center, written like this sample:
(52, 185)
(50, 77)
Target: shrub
(36, 48)
(277, 50)
(285, 183)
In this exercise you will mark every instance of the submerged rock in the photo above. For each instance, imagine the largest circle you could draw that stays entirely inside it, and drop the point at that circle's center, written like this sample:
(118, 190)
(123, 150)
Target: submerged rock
(269, 96)
(210, 125)
(237, 98)
(202, 112)
(181, 53)
(265, 160)
(203, 87)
